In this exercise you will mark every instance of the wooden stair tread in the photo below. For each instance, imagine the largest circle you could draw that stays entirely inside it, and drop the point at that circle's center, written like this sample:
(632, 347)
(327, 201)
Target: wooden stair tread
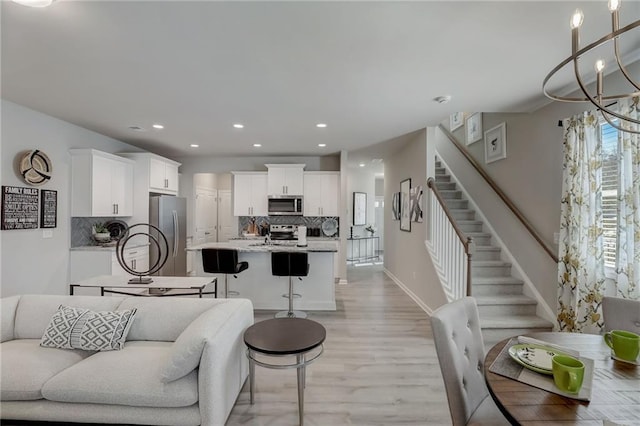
(505, 299)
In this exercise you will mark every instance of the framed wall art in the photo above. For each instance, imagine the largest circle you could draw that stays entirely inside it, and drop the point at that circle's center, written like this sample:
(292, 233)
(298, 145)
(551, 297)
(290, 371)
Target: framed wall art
(455, 120)
(395, 206)
(405, 205)
(495, 143)
(359, 208)
(473, 125)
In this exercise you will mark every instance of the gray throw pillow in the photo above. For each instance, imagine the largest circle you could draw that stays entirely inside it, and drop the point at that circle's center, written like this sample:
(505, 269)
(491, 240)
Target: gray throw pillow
(79, 328)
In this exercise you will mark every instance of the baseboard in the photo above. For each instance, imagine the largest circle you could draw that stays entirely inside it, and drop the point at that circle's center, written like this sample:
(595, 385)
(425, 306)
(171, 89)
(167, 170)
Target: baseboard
(409, 293)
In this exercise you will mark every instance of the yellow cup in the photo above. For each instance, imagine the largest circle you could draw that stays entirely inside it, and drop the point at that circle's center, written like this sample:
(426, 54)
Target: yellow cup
(625, 344)
(568, 373)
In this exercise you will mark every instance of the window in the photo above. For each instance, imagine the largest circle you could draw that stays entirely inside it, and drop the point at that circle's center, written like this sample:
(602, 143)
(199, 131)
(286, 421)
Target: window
(609, 193)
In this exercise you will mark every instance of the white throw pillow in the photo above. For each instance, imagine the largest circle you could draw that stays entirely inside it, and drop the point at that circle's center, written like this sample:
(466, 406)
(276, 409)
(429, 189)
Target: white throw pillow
(79, 328)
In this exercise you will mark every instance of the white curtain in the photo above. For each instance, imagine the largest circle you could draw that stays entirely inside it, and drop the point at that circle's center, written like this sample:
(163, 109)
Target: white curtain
(581, 264)
(628, 261)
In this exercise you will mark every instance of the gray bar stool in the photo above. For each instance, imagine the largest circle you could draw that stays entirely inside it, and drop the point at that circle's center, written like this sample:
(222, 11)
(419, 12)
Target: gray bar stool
(223, 261)
(287, 264)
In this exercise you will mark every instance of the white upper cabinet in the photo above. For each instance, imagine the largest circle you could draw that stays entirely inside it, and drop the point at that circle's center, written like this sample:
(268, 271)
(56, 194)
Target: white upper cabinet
(249, 193)
(163, 175)
(285, 179)
(101, 184)
(321, 193)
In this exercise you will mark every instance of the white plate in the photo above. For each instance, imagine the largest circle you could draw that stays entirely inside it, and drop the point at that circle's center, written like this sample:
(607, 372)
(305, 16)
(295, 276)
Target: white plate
(330, 227)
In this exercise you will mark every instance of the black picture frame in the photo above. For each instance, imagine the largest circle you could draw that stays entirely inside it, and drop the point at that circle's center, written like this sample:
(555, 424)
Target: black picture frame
(359, 208)
(48, 208)
(405, 205)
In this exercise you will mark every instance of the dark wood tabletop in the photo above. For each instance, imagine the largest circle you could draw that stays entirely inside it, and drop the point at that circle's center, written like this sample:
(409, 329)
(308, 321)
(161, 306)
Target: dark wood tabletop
(284, 336)
(615, 396)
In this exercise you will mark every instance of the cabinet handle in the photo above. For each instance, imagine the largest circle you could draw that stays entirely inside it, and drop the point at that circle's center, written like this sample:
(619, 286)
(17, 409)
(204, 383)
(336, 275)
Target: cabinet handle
(318, 210)
(117, 208)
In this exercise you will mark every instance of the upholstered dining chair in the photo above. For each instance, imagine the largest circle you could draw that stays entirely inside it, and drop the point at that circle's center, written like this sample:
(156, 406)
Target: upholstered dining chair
(621, 314)
(458, 339)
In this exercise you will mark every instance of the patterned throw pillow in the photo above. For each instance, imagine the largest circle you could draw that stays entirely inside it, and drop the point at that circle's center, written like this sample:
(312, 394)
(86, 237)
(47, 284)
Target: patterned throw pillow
(78, 328)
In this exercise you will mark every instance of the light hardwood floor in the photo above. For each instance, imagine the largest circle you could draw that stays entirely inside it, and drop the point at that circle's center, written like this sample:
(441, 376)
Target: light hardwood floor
(379, 366)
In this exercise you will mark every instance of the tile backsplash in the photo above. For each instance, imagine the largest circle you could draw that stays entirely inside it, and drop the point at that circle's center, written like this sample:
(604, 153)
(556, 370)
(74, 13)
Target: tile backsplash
(308, 221)
(81, 230)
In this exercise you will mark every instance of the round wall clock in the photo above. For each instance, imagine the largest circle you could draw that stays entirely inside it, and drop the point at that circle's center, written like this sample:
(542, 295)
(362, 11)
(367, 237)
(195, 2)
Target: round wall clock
(35, 167)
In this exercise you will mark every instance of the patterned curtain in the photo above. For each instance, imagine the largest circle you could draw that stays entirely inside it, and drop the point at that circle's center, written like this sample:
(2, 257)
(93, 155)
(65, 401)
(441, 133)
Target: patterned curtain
(628, 263)
(581, 264)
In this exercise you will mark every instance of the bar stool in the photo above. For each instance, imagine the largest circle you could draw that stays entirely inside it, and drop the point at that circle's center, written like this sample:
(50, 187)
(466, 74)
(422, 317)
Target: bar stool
(223, 261)
(287, 264)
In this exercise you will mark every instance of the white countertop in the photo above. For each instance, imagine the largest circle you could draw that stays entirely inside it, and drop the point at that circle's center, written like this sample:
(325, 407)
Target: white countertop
(104, 247)
(258, 246)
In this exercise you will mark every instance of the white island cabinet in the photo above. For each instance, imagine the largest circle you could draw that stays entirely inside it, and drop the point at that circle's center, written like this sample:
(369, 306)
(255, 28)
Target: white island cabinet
(101, 184)
(266, 290)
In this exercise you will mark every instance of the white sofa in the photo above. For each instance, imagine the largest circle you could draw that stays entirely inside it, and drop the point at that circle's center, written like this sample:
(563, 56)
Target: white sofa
(126, 386)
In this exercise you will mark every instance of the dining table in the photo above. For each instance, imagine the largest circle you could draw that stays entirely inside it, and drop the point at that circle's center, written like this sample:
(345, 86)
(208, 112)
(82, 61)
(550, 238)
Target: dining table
(615, 394)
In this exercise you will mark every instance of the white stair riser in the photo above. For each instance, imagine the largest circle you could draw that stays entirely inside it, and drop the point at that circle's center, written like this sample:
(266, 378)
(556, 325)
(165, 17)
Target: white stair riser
(464, 215)
(486, 255)
(495, 289)
(470, 227)
(481, 240)
(457, 204)
(507, 310)
(490, 271)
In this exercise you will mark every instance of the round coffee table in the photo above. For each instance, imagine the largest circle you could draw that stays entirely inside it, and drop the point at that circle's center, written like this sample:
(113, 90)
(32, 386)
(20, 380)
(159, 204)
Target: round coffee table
(284, 337)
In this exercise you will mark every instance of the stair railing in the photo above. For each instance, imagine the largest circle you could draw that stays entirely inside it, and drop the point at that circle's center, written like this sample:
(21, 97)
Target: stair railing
(451, 247)
(507, 201)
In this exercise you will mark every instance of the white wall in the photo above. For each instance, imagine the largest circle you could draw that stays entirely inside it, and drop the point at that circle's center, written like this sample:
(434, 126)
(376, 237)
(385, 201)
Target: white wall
(405, 256)
(361, 180)
(29, 263)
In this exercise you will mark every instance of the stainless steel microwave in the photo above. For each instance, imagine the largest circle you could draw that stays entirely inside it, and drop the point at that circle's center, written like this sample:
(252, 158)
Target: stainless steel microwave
(284, 205)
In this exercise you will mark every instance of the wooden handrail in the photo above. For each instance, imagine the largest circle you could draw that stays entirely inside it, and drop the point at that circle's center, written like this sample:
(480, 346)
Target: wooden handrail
(465, 240)
(500, 193)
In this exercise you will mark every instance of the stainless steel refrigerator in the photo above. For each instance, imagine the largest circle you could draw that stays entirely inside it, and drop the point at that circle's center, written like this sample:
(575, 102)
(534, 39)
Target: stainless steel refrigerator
(169, 214)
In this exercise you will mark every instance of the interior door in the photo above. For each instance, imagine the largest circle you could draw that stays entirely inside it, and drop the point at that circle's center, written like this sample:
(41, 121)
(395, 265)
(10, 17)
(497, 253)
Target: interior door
(227, 222)
(206, 219)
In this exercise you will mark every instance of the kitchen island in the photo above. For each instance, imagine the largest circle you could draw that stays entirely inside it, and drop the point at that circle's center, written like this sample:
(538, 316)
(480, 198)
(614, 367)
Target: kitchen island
(265, 290)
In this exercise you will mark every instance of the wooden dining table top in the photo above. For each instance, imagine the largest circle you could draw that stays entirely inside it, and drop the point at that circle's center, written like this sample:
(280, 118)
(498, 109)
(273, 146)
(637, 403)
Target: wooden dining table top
(615, 397)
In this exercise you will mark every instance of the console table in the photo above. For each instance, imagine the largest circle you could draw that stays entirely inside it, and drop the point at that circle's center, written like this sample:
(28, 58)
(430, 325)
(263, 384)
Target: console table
(371, 248)
(108, 284)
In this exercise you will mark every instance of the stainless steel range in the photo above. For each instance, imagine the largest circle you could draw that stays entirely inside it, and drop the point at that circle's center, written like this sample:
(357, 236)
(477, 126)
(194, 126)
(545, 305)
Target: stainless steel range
(283, 232)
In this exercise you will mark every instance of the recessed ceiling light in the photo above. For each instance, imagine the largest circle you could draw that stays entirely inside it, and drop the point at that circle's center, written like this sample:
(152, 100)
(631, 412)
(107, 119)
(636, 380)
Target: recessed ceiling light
(361, 164)
(158, 126)
(238, 126)
(257, 145)
(322, 145)
(321, 125)
(194, 145)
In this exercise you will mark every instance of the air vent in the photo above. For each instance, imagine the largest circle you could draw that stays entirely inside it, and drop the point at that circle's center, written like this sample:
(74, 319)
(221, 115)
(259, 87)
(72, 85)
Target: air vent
(136, 128)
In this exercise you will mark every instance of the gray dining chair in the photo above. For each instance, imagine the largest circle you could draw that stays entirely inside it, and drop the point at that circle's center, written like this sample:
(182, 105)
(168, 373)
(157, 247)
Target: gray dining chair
(621, 314)
(460, 349)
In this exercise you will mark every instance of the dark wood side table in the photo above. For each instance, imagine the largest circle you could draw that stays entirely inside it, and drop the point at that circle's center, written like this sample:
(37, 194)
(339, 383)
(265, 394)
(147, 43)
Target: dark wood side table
(284, 337)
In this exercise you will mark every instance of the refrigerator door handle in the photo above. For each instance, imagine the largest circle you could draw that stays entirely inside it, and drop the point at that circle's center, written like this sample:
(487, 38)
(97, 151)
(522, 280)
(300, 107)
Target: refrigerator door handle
(176, 234)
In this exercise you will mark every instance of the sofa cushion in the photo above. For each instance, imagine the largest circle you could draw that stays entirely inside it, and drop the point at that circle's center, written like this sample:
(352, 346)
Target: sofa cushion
(26, 367)
(187, 350)
(164, 318)
(78, 328)
(35, 311)
(130, 377)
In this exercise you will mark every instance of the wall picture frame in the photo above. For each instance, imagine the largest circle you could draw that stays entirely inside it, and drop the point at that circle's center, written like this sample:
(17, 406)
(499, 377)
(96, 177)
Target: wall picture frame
(456, 120)
(405, 205)
(359, 208)
(395, 206)
(495, 143)
(473, 126)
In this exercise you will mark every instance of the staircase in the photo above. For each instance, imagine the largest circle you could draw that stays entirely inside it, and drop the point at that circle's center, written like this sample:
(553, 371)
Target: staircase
(504, 310)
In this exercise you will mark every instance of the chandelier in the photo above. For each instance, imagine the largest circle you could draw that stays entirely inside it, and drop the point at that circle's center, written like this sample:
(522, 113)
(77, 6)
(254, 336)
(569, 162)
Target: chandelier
(598, 98)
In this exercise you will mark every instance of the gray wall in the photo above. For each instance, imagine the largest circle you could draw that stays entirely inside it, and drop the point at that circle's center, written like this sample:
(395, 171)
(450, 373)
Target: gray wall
(29, 263)
(405, 254)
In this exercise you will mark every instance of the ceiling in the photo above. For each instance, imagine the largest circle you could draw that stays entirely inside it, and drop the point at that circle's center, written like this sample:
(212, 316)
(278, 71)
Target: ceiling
(369, 70)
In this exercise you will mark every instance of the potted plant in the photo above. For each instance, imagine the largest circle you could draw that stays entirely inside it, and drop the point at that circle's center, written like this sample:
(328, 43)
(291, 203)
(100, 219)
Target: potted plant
(101, 232)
